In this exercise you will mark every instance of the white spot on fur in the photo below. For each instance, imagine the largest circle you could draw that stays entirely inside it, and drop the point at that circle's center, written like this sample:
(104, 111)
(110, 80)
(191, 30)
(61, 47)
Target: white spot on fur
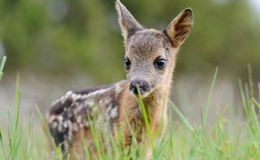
(70, 130)
(105, 101)
(89, 103)
(54, 124)
(97, 92)
(114, 112)
(65, 124)
(79, 119)
(60, 118)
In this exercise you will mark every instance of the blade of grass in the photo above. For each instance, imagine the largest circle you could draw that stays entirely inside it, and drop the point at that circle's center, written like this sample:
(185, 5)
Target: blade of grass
(29, 142)
(206, 108)
(144, 112)
(2, 67)
(181, 116)
(2, 64)
(250, 80)
(242, 94)
(146, 120)
(6, 112)
(16, 131)
(256, 103)
(17, 104)
(258, 84)
(45, 127)
(2, 145)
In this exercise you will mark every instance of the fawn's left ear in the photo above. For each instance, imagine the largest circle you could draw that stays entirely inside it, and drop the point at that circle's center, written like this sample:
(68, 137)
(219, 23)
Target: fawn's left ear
(127, 22)
(180, 27)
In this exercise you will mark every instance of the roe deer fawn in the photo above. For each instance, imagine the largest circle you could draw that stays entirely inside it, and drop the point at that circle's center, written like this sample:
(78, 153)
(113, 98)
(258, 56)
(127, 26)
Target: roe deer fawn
(149, 62)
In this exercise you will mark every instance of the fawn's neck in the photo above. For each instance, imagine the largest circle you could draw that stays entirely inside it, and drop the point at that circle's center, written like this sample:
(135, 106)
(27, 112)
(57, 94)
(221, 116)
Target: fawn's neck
(156, 103)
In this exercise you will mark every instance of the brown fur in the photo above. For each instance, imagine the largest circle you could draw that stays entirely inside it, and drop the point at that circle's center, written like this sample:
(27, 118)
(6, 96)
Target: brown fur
(110, 107)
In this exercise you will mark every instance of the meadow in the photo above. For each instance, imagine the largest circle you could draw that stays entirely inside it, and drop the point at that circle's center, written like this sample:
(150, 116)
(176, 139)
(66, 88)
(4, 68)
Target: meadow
(59, 45)
(227, 139)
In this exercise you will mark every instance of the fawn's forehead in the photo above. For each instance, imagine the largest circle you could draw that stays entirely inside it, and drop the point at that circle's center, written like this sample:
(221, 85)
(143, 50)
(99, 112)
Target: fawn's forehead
(147, 43)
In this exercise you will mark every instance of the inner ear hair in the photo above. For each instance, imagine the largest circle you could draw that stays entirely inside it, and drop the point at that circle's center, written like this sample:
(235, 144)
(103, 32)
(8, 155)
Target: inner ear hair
(180, 27)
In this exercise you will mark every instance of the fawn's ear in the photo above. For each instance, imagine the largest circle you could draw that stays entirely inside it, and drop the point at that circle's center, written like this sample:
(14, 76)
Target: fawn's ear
(127, 22)
(180, 27)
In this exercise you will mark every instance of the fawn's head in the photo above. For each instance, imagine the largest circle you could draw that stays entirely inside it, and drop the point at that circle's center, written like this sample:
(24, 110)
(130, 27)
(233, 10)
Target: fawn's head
(149, 53)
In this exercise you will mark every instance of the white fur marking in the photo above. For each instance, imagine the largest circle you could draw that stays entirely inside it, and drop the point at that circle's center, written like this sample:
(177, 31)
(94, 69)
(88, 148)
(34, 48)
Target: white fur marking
(113, 112)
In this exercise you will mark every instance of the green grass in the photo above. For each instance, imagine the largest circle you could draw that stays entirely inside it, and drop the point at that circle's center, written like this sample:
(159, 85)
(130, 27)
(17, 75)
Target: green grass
(224, 140)
(2, 67)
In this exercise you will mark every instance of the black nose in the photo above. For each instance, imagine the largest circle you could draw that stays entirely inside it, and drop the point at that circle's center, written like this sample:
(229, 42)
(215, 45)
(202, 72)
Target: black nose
(142, 85)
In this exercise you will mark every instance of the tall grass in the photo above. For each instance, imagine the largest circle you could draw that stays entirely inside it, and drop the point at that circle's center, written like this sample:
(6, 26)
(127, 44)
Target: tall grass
(226, 139)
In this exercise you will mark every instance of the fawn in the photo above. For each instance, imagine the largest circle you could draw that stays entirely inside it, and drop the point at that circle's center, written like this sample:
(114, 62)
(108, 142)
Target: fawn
(149, 63)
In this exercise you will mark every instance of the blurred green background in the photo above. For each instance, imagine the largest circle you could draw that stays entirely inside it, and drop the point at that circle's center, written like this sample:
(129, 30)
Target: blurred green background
(60, 37)
(61, 45)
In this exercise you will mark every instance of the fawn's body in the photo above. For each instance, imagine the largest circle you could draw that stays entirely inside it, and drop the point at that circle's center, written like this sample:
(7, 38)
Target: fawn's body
(149, 63)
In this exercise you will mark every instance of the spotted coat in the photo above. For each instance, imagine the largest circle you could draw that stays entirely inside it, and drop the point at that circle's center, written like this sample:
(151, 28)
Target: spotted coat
(76, 110)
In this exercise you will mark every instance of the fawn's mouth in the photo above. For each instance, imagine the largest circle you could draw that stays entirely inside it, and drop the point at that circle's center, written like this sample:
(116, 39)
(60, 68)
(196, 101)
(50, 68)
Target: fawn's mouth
(139, 87)
(138, 92)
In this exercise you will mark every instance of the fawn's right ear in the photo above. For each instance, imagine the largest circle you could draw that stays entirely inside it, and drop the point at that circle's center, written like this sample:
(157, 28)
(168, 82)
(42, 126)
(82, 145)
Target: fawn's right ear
(127, 22)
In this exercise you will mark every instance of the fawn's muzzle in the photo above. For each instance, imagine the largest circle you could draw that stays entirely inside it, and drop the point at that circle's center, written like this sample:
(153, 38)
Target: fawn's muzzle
(142, 85)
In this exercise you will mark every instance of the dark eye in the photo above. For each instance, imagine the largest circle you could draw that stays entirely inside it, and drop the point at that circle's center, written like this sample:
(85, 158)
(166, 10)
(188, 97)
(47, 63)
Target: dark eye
(160, 63)
(127, 63)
